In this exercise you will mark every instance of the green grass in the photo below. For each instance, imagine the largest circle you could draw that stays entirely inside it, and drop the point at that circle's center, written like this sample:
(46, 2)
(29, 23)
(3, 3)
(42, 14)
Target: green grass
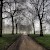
(45, 40)
(6, 40)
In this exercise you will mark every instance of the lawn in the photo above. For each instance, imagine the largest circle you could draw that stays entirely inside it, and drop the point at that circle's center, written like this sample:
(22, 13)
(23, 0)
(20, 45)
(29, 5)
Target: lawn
(45, 40)
(6, 40)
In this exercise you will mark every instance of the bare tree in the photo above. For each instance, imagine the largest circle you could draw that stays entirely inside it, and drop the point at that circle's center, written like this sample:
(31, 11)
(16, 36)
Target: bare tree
(0, 19)
(33, 26)
(32, 19)
(16, 25)
(18, 21)
(7, 9)
(40, 6)
(11, 9)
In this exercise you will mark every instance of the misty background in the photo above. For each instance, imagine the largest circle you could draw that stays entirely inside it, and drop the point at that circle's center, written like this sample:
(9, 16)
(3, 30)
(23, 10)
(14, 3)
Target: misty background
(23, 18)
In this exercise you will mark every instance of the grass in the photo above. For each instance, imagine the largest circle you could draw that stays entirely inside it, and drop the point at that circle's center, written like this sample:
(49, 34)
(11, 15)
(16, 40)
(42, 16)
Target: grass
(6, 40)
(45, 40)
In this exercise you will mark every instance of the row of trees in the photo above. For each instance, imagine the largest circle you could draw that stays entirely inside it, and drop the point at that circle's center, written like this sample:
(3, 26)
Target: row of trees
(38, 11)
(41, 11)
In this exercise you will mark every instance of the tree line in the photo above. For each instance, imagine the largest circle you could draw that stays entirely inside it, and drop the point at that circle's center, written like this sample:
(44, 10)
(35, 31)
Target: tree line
(39, 11)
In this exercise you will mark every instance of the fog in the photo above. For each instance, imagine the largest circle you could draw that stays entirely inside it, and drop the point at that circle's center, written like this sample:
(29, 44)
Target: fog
(27, 19)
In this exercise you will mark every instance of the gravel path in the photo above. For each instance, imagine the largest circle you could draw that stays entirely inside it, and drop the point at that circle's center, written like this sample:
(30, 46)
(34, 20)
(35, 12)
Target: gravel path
(25, 43)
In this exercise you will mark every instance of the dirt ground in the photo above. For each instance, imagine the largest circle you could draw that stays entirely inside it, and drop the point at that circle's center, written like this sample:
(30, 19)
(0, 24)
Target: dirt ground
(25, 43)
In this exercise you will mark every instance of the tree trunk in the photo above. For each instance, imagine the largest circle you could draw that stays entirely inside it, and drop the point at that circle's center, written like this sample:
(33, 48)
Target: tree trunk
(12, 26)
(41, 30)
(16, 28)
(34, 28)
(1, 19)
